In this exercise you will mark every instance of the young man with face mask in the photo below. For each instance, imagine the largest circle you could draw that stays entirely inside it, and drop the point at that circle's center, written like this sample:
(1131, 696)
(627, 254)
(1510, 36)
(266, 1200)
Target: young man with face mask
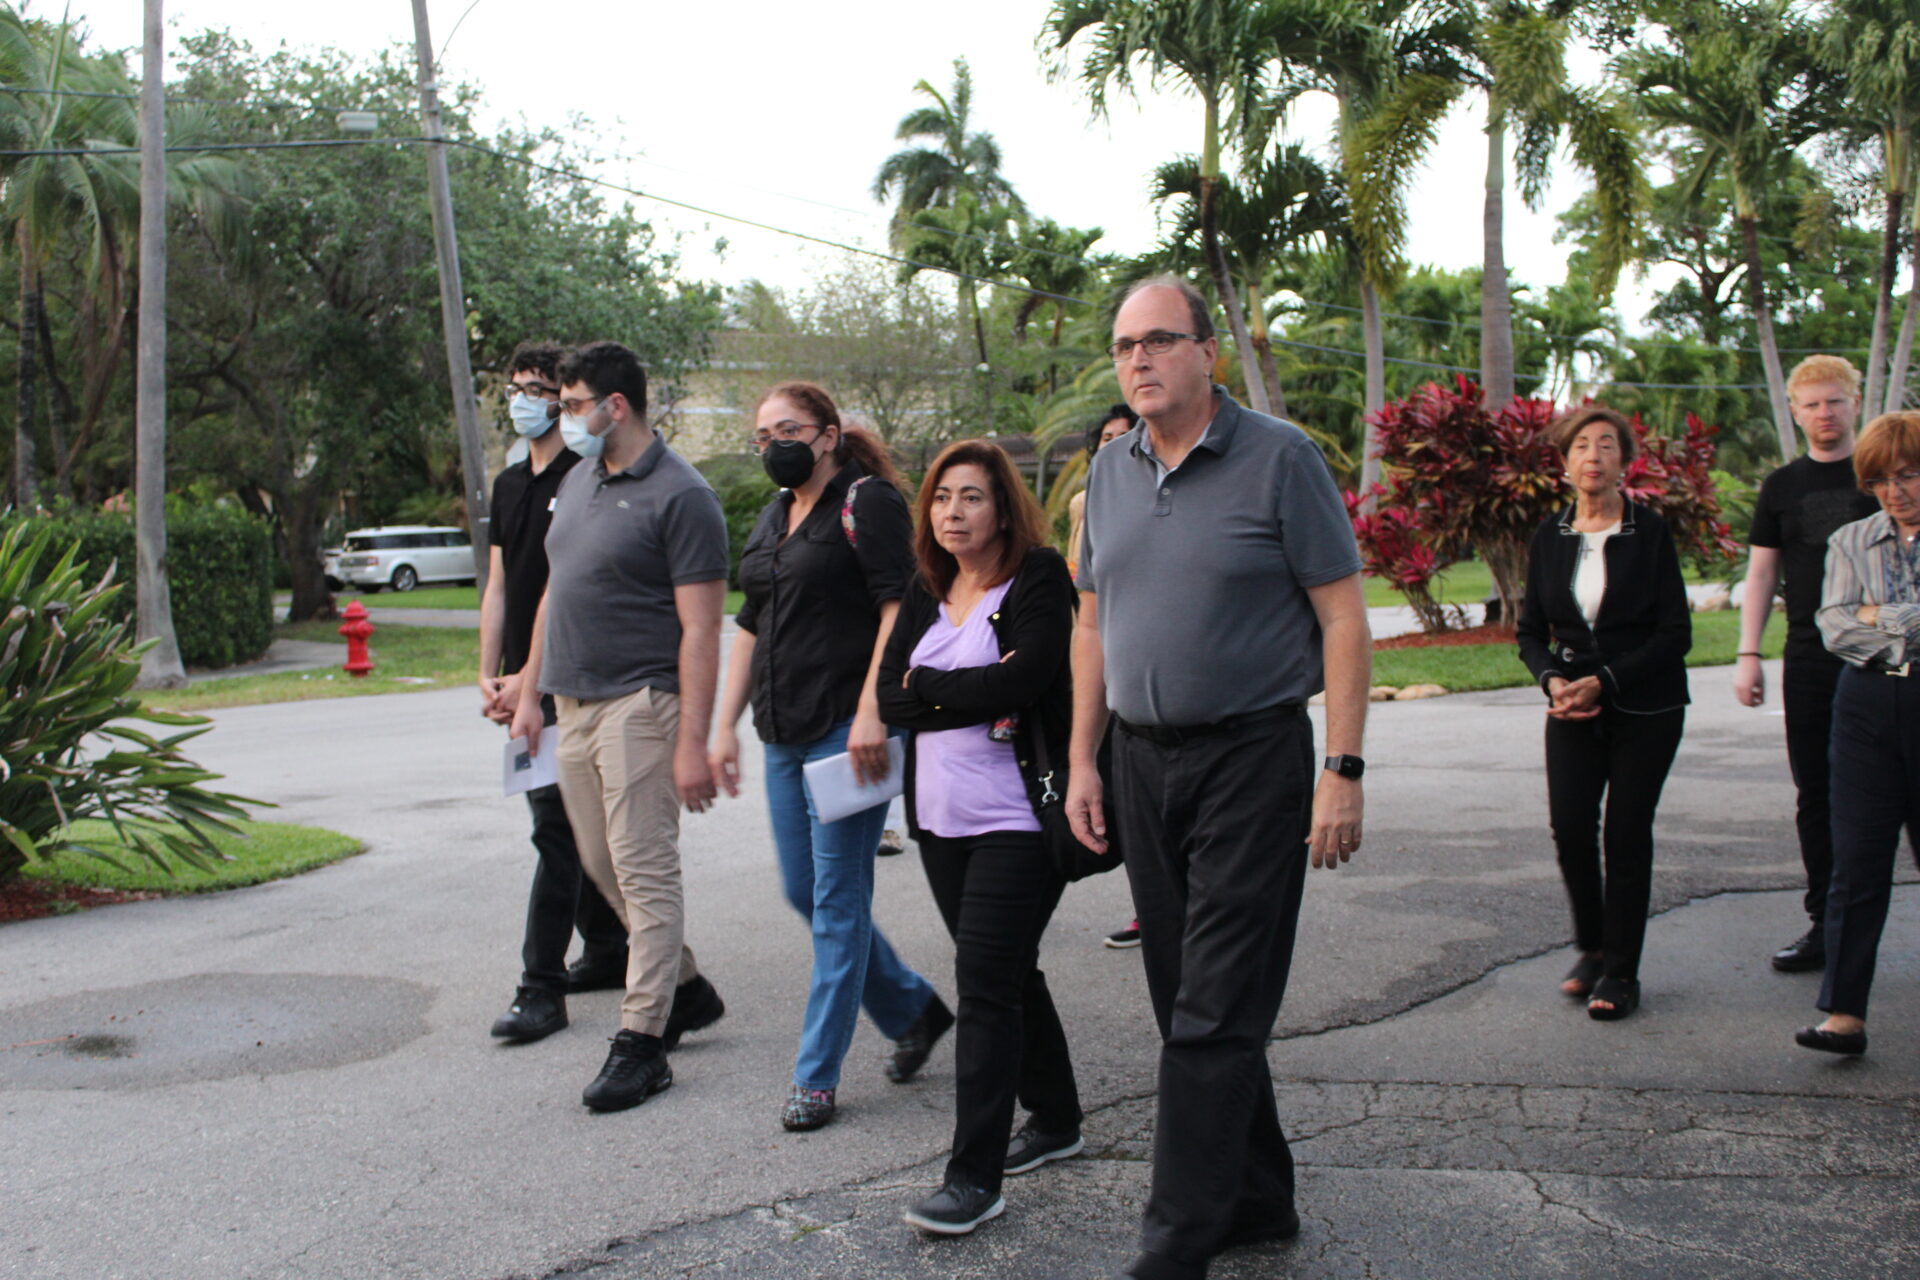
(523, 501)
(627, 642)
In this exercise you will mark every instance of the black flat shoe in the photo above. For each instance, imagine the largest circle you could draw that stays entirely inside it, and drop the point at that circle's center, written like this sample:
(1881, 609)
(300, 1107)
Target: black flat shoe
(1613, 999)
(1847, 1042)
(1585, 971)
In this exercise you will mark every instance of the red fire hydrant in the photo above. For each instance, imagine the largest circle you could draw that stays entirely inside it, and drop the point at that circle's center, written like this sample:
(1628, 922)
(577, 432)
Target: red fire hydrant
(356, 629)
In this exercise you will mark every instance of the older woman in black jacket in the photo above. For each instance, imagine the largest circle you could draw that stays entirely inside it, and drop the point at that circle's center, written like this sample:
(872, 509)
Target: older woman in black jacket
(977, 667)
(1604, 628)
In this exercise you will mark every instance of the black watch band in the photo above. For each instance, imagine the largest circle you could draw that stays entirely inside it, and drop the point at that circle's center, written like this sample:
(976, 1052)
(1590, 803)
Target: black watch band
(1346, 766)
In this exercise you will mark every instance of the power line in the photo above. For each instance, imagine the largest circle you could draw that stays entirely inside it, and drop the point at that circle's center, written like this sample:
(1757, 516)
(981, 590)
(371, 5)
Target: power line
(285, 104)
(576, 176)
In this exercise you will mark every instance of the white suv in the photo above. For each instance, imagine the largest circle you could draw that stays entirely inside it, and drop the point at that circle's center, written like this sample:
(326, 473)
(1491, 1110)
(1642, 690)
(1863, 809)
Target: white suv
(403, 556)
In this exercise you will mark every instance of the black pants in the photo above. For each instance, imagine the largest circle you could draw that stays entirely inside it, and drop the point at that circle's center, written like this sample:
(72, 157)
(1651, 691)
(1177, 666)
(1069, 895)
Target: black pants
(1624, 758)
(562, 900)
(1876, 791)
(997, 892)
(1214, 832)
(1806, 694)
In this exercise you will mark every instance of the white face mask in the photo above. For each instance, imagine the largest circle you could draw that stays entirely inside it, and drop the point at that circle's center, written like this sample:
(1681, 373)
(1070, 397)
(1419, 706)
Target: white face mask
(579, 436)
(529, 414)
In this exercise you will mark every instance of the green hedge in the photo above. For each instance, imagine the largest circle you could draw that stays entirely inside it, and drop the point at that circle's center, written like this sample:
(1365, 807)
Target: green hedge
(220, 563)
(744, 492)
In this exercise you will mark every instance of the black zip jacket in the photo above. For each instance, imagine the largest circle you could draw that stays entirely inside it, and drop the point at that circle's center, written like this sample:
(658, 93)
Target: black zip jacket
(1638, 643)
(1035, 624)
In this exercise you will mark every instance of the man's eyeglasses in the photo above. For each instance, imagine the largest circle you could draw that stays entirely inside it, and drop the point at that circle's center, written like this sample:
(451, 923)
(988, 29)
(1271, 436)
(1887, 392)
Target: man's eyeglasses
(539, 390)
(764, 436)
(1908, 480)
(1156, 344)
(577, 405)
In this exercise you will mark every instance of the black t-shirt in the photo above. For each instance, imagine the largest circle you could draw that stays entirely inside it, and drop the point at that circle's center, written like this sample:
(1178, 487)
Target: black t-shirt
(813, 603)
(1799, 507)
(522, 510)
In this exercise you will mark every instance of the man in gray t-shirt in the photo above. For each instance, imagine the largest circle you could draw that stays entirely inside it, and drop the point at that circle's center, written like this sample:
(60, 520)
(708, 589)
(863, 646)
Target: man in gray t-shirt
(628, 644)
(1220, 588)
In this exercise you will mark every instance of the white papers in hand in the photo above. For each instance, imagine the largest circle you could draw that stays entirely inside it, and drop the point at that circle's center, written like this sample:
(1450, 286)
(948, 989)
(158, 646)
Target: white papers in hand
(836, 795)
(523, 772)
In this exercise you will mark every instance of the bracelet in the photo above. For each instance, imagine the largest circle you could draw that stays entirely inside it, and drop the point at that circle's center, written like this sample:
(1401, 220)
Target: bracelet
(1750, 653)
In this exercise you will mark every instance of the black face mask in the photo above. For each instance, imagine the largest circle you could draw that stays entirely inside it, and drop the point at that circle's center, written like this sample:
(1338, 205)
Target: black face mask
(788, 462)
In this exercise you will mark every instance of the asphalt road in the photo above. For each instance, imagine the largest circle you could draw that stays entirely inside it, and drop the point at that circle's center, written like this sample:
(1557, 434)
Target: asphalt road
(296, 1081)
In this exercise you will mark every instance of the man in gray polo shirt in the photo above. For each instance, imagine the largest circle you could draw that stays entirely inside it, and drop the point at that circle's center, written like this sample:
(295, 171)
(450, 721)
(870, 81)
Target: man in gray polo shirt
(1220, 589)
(628, 643)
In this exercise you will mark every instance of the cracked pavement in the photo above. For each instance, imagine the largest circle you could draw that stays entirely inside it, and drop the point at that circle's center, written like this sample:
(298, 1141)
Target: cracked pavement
(295, 1080)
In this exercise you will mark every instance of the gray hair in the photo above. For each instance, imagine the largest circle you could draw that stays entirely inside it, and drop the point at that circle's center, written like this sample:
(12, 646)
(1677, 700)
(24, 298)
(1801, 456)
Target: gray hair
(1201, 310)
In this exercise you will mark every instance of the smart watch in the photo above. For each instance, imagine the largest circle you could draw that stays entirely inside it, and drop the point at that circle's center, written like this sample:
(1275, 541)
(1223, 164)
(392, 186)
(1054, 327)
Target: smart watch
(1346, 766)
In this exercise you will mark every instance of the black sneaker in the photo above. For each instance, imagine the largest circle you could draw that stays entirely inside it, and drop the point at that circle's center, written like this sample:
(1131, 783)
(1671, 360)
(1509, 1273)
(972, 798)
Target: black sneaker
(1804, 954)
(636, 1070)
(1125, 939)
(597, 973)
(1033, 1147)
(955, 1209)
(536, 1013)
(911, 1051)
(696, 1006)
(1247, 1231)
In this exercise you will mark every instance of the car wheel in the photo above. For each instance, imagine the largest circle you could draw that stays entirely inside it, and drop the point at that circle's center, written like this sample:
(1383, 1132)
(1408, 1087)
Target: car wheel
(405, 579)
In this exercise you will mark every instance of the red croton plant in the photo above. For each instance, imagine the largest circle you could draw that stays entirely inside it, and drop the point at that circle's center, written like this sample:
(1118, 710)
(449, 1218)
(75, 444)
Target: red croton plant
(1462, 481)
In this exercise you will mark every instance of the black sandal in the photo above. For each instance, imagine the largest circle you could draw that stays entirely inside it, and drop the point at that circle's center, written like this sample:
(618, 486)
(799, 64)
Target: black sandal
(1585, 971)
(1613, 999)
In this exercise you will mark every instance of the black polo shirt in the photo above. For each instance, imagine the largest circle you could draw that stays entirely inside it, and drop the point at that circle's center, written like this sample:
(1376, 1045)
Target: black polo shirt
(813, 602)
(522, 510)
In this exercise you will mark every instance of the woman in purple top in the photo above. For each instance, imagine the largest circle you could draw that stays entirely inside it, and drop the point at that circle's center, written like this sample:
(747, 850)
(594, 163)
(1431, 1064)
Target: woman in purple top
(977, 667)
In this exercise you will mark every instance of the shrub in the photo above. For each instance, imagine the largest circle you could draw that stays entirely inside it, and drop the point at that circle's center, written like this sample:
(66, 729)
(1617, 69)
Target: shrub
(744, 491)
(67, 669)
(220, 573)
(1466, 478)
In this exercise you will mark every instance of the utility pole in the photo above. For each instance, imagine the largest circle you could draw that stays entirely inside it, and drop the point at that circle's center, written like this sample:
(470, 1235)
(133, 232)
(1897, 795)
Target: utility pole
(160, 666)
(453, 307)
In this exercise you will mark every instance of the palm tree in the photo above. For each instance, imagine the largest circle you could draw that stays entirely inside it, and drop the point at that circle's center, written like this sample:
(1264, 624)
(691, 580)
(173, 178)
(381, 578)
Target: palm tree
(1221, 50)
(1283, 201)
(1524, 53)
(973, 244)
(961, 161)
(1053, 261)
(49, 202)
(1741, 82)
(1875, 44)
(1394, 67)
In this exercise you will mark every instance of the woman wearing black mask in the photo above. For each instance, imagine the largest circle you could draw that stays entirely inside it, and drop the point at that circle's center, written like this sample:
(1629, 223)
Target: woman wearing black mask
(823, 571)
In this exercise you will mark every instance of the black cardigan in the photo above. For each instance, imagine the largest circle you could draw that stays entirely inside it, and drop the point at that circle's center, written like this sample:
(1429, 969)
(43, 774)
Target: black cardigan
(1639, 640)
(1034, 623)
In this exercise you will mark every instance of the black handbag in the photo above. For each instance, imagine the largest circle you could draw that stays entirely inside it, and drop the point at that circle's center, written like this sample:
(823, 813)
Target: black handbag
(1047, 790)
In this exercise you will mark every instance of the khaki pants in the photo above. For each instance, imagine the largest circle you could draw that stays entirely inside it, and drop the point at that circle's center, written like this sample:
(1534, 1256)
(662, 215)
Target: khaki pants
(615, 761)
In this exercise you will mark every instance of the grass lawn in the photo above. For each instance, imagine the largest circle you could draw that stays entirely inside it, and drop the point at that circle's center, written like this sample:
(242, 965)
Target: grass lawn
(404, 658)
(1716, 638)
(469, 598)
(447, 597)
(1469, 583)
(269, 851)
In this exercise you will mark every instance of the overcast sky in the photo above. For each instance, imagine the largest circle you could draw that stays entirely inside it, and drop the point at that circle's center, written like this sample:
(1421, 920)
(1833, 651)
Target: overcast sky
(782, 112)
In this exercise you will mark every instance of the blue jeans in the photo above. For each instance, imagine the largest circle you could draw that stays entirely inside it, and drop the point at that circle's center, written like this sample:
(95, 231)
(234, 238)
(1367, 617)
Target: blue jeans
(827, 871)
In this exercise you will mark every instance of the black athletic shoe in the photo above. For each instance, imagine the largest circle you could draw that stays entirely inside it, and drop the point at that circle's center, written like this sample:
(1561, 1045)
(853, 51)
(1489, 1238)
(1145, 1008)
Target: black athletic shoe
(955, 1209)
(1249, 1231)
(696, 1006)
(536, 1014)
(911, 1051)
(1804, 954)
(636, 1070)
(1125, 939)
(597, 973)
(1032, 1147)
